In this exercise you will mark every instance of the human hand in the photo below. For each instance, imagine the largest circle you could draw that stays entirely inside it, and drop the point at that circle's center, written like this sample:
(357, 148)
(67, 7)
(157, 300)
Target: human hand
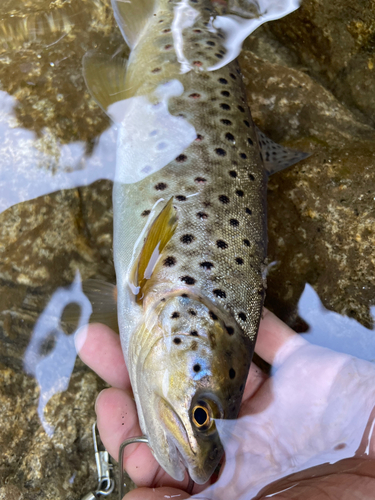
(314, 409)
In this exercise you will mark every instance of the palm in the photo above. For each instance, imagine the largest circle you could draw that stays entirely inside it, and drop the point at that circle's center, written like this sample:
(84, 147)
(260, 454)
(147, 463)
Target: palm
(281, 426)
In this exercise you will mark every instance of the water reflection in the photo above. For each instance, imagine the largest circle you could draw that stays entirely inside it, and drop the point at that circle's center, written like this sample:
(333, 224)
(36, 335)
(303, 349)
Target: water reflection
(40, 173)
(330, 329)
(316, 408)
(51, 354)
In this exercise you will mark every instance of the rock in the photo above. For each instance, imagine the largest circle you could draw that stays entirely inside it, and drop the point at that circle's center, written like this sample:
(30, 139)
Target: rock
(334, 40)
(321, 221)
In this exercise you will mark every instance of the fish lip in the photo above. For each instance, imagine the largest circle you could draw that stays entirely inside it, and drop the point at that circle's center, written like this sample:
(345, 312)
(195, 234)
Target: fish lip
(172, 441)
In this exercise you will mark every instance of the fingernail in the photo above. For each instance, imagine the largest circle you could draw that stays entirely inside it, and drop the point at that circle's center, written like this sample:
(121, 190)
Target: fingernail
(80, 338)
(97, 399)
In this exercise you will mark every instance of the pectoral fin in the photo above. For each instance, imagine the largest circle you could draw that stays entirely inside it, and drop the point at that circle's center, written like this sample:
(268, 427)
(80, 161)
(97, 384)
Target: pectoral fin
(105, 79)
(132, 17)
(276, 157)
(161, 231)
(103, 298)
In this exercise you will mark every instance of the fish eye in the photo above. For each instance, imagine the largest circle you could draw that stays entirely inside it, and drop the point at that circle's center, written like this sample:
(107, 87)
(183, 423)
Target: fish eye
(201, 417)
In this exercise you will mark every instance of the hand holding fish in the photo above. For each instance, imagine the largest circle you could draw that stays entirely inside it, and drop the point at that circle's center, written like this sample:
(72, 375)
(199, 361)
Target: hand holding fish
(316, 408)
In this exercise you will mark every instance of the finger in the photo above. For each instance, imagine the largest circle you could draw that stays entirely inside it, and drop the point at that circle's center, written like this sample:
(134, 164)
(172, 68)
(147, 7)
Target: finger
(117, 420)
(99, 347)
(273, 335)
(156, 494)
(255, 380)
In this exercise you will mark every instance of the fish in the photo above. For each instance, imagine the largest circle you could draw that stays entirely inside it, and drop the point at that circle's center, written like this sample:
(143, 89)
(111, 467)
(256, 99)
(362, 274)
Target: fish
(190, 238)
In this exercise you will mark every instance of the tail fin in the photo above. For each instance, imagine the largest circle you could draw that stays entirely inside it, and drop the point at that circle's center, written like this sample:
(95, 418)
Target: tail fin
(132, 17)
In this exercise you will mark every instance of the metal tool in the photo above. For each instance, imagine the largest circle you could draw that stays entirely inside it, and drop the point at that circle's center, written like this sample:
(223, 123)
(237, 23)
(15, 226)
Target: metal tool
(139, 439)
(106, 483)
(122, 485)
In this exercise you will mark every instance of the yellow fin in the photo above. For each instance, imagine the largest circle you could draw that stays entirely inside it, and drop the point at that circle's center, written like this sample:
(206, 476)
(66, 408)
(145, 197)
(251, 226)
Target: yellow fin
(105, 79)
(160, 233)
(132, 17)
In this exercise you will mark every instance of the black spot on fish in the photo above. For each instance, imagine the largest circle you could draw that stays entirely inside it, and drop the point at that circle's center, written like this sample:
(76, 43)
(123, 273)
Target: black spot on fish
(233, 76)
(197, 31)
(200, 180)
(229, 329)
(197, 368)
(202, 215)
(248, 211)
(223, 81)
(195, 95)
(199, 138)
(239, 261)
(169, 261)
(225, 122)
(206, 265)
(185, 295)
(232, 373)
(145, 213)
(243, 156)
(246, 123)
(220, 152)
(188, 280)
(194, 333)
(242, 316)
(239, 193)
(246, 243)
(187, 238)
(233, 173)
(211, 44)
(225, 93)
(197, 63)
(225, 106)
(168, 46)
(219, 293)
(192, 312)
(219, 56)
(224, 199)
(156, 70)
(160, 186)
(213, 315)
(221, 244)
(229, 136)
(241, 109)
(181, 158)
(176, 340)
(250, 141)
(180, 197)
(167, 30)
(175, 315)
(251, 177)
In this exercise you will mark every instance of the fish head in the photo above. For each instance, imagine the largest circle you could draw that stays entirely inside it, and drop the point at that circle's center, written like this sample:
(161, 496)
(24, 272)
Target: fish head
(193, 374)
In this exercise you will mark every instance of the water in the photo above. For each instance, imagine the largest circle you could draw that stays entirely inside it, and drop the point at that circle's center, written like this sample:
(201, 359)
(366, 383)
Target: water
(57, 147)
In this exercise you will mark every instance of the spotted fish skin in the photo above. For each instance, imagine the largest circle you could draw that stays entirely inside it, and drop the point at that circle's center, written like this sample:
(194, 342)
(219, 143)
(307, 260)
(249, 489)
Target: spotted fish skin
(188, 333)
(218, 183)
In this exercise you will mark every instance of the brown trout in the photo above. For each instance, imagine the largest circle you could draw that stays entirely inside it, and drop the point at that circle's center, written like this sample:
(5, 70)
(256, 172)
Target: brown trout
(189, 224)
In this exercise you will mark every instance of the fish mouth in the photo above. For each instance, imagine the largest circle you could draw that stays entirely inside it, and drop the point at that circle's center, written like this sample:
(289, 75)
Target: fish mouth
(178, 459)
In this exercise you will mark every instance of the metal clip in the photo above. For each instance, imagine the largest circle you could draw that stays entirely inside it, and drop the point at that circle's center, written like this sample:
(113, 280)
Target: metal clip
(104, 467)
(122, 485)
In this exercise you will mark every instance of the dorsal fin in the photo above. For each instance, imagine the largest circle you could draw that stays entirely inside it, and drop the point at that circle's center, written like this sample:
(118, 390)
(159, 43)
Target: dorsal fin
(160, 232)
(132, 17)
(276, 157)
(105, 79)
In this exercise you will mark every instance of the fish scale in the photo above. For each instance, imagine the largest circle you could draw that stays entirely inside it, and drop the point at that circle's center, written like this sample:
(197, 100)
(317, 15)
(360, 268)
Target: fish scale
(190, 232)
(241, 283)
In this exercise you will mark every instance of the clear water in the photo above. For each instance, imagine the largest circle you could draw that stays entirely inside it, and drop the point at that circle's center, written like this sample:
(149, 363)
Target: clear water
(57, 152)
